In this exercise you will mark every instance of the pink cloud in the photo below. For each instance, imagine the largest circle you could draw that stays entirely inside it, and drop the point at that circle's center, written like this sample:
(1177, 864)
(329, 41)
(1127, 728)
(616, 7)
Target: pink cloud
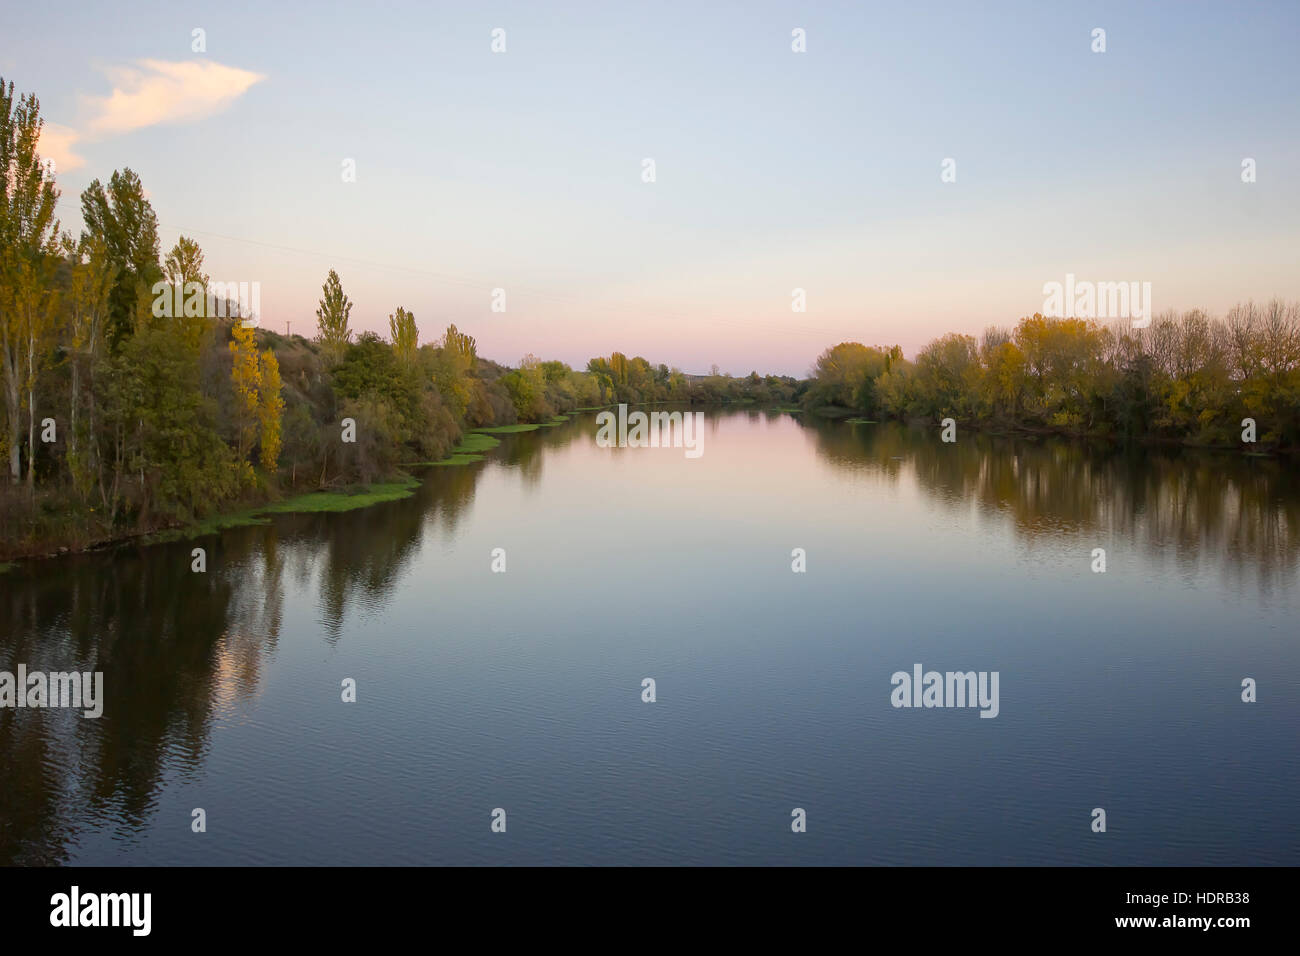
(55, 146)
(157, 91)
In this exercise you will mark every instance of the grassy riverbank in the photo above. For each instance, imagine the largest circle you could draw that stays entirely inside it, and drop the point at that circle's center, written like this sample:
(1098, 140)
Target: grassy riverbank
(469, 450)
(313, 502)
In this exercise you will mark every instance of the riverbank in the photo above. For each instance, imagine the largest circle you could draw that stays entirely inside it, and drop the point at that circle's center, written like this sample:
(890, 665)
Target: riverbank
(1021, 430)
(311, 502)
(472, 448)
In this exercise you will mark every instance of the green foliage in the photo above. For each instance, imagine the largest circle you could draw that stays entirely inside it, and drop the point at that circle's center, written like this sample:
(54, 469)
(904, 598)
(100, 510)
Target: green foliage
(332, 317)
(184, 264)
(165, 442)
(336, 501)
(1186, 377)
(508, 429)
(246, 377)
(617, 379)
(269, 411)
(846, 375)
(406, 336)
(122, 219)
(476, 442)
(369, 367)
(527, 388)
(28, 259)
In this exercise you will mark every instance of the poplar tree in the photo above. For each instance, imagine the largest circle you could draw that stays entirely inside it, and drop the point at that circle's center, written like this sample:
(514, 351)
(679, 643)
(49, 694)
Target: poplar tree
(332, 317)
(184, 264)
(89, 287)
(405, 334)
(270, 406)
(183, 268)
(122, 218)
(456, 358)
(28, 255)
(246, 378)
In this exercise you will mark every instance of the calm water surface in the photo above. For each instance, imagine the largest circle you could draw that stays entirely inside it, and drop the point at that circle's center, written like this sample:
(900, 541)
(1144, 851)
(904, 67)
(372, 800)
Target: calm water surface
(522, 690)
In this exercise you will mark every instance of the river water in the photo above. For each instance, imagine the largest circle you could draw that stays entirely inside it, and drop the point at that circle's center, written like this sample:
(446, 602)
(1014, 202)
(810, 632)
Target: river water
(523, 690)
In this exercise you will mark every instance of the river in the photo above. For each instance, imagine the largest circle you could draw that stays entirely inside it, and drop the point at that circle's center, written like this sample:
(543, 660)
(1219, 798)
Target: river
(522, 690)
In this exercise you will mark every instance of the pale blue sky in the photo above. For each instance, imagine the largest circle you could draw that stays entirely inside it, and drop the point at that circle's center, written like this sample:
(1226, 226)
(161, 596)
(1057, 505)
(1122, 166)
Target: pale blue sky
(775, 170)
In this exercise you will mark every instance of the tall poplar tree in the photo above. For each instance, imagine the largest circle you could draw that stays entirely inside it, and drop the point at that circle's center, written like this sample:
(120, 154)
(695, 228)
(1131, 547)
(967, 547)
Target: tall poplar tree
(246, 377)
(332, 317)
(122, 218)
(406, 336)
(28, 256)
(269, 409)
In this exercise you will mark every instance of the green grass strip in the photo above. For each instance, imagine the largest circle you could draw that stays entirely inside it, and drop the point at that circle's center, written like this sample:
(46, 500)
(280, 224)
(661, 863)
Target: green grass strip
(507, 429)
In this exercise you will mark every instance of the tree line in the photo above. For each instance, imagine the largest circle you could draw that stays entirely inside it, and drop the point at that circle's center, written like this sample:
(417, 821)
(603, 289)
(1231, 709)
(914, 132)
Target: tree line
(135, 395)
(1187, 377)
(138, 395)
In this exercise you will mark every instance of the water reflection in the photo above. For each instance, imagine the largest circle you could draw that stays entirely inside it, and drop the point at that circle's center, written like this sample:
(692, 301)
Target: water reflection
(1238, 512)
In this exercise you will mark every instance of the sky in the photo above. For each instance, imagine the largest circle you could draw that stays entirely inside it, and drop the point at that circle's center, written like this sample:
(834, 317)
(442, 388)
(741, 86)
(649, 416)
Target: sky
(774, 170)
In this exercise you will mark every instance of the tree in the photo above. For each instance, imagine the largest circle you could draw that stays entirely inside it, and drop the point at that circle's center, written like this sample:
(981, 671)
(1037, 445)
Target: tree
(461, 344)
(270, 407)
(453, 365)
(90, 284)
(598, 368)
(184, 264)
(246, 378)
(163, 439)
(332, 317)
(28, 253)
(124, 221)
(35, 301)
(618, 368)
(183, 268)
(406, 336)
(1059, 357)
(527, 387)
(1004, 373)
(371, 375)
(845, 375)
(947, 374)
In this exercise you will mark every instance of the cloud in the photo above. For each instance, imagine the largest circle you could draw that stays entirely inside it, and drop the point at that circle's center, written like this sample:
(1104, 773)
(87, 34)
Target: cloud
(157, 91)
(56, 144)
(152, 92)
